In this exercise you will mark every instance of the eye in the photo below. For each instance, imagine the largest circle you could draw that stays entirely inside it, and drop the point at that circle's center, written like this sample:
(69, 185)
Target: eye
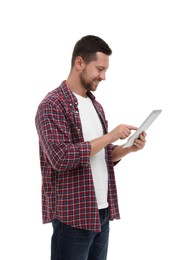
(100, 69)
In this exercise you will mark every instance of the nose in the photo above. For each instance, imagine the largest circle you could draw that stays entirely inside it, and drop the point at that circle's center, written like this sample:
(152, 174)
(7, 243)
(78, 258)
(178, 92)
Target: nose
(102, 75)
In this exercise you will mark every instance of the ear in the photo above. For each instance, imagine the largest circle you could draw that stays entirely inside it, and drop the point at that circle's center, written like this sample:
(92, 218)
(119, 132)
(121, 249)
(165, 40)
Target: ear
(79, 63)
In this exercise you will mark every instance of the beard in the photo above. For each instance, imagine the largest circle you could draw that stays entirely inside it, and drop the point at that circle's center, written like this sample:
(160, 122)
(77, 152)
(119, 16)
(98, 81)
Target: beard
(88, 84)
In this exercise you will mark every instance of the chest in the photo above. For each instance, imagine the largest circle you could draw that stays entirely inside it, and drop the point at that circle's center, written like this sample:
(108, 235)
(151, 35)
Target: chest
(90, 120)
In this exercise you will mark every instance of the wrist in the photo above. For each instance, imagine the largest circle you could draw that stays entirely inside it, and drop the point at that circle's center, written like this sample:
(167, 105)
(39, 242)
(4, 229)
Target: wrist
(109, 138)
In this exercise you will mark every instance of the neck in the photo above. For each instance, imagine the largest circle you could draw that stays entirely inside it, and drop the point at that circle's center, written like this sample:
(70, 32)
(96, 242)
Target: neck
(75, 85)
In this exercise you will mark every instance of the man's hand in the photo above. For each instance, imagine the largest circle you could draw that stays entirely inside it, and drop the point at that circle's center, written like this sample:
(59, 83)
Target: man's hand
(121, 132)
(139, 143)
(119, 152)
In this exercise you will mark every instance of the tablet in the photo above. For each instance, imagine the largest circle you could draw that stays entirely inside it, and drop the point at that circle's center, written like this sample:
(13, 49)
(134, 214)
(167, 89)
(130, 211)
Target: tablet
(144, 126)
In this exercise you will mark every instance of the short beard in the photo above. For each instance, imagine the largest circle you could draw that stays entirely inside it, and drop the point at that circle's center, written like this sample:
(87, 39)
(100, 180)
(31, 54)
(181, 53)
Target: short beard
(86, 85)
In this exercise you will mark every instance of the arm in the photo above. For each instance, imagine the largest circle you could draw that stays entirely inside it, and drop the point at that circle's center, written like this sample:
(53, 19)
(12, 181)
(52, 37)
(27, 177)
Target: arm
(56, 140)
(120, 132)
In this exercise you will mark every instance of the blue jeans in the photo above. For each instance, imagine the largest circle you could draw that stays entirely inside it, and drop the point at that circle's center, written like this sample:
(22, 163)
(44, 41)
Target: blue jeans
(70, 243)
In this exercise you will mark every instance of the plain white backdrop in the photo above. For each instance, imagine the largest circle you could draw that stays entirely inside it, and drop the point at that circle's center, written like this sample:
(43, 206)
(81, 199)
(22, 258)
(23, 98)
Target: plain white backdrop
(153, 66)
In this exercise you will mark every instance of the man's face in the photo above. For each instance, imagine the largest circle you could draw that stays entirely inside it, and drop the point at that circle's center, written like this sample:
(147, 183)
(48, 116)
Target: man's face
(94, 72)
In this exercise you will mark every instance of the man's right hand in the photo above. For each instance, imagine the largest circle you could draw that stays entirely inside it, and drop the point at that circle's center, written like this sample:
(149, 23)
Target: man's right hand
(121, 132)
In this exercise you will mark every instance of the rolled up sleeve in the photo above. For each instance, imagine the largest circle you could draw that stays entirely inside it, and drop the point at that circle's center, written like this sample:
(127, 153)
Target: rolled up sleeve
(56, 139)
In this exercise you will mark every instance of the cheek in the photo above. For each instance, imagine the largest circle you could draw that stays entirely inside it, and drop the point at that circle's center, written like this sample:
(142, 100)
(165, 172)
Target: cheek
(92, 73)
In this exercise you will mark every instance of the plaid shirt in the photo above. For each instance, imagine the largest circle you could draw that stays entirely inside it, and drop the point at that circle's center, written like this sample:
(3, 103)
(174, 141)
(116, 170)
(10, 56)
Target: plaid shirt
(68, 192)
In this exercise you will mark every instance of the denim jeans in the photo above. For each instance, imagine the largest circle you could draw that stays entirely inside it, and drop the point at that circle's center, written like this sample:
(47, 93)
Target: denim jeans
(70, 243)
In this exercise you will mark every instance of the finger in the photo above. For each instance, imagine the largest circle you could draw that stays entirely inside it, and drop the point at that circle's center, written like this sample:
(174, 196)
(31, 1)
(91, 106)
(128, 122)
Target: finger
(131, 127)
(139, 146)
(140, 142)
(142, 137)
(126, 132)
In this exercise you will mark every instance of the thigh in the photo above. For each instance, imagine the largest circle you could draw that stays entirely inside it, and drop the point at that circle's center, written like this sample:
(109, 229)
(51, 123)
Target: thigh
(99, 248)
(70, 243)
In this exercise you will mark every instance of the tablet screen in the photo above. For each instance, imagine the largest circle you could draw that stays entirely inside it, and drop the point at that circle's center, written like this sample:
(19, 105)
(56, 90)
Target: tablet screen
(144, 126)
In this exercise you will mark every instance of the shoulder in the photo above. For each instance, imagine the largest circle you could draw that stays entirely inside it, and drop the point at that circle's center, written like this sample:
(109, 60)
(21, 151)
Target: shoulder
(54, 97)
(51, 104)
(59, 97)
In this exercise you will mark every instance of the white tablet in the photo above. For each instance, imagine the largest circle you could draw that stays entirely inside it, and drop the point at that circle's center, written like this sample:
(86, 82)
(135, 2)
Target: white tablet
(144, 126)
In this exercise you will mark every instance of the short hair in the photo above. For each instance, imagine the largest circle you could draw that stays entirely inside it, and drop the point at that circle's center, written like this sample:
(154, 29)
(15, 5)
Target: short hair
(87, 47)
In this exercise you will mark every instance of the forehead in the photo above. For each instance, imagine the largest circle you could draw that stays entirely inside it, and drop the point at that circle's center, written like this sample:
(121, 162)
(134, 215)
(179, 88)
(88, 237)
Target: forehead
(102, 60)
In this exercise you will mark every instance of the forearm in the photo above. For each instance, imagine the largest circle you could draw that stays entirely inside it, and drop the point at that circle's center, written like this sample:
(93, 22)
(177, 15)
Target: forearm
(100, 143)
(120, 132)
(64, 157)
(119, 152)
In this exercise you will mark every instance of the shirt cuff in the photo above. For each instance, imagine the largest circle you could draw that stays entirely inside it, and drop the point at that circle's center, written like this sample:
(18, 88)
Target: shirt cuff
(84, 151)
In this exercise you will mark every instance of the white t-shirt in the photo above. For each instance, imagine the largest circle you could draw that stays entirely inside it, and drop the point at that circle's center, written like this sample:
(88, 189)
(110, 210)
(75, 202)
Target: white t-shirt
(92, 128)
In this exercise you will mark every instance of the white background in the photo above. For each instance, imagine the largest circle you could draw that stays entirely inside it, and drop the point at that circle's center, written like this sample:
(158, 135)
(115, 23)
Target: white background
(153, 66)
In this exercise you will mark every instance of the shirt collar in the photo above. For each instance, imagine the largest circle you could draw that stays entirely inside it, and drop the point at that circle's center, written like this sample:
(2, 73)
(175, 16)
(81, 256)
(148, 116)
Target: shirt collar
(70, 97)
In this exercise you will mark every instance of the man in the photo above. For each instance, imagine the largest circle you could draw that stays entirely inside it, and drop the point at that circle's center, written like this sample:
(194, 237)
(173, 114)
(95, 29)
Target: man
(77, 157)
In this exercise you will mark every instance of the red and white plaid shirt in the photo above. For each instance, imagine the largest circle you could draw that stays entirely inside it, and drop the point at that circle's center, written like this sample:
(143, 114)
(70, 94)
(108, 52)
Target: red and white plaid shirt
(68, 192)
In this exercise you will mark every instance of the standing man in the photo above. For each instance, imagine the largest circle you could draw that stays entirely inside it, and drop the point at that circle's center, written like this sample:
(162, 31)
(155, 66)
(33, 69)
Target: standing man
(77, 157)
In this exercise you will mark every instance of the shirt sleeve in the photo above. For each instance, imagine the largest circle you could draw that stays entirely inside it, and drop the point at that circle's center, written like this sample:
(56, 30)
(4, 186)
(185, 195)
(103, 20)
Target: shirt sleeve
(56, 139)
(111, 147)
